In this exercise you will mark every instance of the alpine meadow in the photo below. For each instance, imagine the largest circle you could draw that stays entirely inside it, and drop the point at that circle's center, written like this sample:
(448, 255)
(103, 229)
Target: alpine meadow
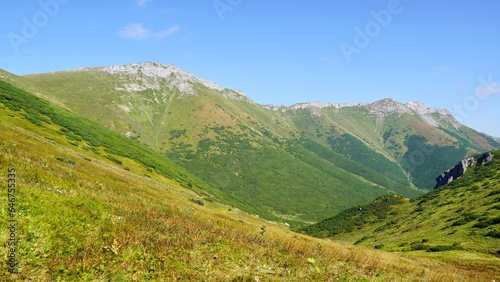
(250, 141)
(146, 172)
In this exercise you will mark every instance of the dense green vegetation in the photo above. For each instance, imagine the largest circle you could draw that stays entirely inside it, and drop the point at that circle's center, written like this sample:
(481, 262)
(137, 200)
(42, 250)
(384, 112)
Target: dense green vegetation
(423, 160)
(284, 186)
(95, 138)
(82, 217)
(463, 215)
(96, 206)
(356, 150)
(232, 169)
(285, 164)
(354, 218)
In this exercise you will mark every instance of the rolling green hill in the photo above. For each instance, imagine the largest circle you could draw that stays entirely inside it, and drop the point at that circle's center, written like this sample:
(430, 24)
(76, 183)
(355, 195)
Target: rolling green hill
(93, 205)
(296, 164)
(463, 216)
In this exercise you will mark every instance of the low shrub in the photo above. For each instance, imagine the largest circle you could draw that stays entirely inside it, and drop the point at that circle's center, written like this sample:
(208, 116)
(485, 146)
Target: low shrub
(197, 201)
(494, 234)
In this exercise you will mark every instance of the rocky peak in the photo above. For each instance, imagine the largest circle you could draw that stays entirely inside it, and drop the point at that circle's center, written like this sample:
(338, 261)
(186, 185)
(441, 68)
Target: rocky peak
(459, 169)
(390, 106)
(147, 69)
(155, 71)
(150, 75)
(320, 105)
(386, 107)
(315, 107)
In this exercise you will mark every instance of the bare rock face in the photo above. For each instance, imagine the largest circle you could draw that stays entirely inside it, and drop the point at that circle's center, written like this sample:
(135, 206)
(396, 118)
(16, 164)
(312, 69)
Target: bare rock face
(153, 71)
(458, 170)
(484, 158)
(144, 76)
(387, 107)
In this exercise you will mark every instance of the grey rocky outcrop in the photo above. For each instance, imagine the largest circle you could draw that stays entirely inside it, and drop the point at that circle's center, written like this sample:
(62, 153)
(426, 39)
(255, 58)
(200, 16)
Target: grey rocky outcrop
(459, 169)
(484, 158)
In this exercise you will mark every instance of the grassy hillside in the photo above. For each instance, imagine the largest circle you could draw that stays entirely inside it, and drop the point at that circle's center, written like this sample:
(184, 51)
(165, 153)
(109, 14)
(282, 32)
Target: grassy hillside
(462, 218)
(248, 153)
(327, 138)
(289, 164)
(84, 214)
(99, 141)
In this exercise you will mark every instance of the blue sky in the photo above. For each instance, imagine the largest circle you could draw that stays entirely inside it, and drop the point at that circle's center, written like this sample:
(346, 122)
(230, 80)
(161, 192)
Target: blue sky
(443, 53)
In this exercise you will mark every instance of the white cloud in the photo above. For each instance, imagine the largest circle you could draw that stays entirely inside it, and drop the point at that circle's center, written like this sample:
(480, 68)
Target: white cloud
(134, 31)
(168, 31)
(142, 2)
(138, 32)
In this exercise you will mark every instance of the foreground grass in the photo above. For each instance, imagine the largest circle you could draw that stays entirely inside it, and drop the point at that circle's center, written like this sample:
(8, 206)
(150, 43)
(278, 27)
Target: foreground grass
(82, 217)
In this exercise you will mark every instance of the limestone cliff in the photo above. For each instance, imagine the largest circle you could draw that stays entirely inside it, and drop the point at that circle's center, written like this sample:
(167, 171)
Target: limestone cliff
(459, 169)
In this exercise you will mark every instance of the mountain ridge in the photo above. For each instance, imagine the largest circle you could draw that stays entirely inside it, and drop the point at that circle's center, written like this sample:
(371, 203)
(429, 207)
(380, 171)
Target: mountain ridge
(351, 153)
(383, 107)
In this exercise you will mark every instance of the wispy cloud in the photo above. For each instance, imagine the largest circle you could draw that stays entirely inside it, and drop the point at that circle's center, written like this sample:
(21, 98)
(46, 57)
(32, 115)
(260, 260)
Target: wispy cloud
(168, 31)
(137, 31)
(142, 2)
(134, 31)
(442, 68)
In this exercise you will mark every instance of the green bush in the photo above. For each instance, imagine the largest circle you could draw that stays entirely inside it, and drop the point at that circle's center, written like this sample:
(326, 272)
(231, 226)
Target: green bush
(420, 208)
(487, 223)
(417, 246)
(494, 234)
(197, 201)
(113, 159)
(61, 159)
(443, 248)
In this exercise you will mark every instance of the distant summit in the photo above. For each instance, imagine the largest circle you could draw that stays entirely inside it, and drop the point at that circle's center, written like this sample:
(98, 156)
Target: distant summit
(154, 76)
(381, 108)
(178, 77)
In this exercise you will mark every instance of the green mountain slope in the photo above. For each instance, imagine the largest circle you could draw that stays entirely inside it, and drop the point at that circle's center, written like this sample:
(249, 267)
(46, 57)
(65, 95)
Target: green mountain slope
(89, 208)
(297, 164)
(91, 137)
(463, 215)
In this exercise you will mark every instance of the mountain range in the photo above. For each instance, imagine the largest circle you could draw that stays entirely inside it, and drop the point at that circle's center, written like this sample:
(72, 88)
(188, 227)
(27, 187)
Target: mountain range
(145, 172)
(299, 163)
